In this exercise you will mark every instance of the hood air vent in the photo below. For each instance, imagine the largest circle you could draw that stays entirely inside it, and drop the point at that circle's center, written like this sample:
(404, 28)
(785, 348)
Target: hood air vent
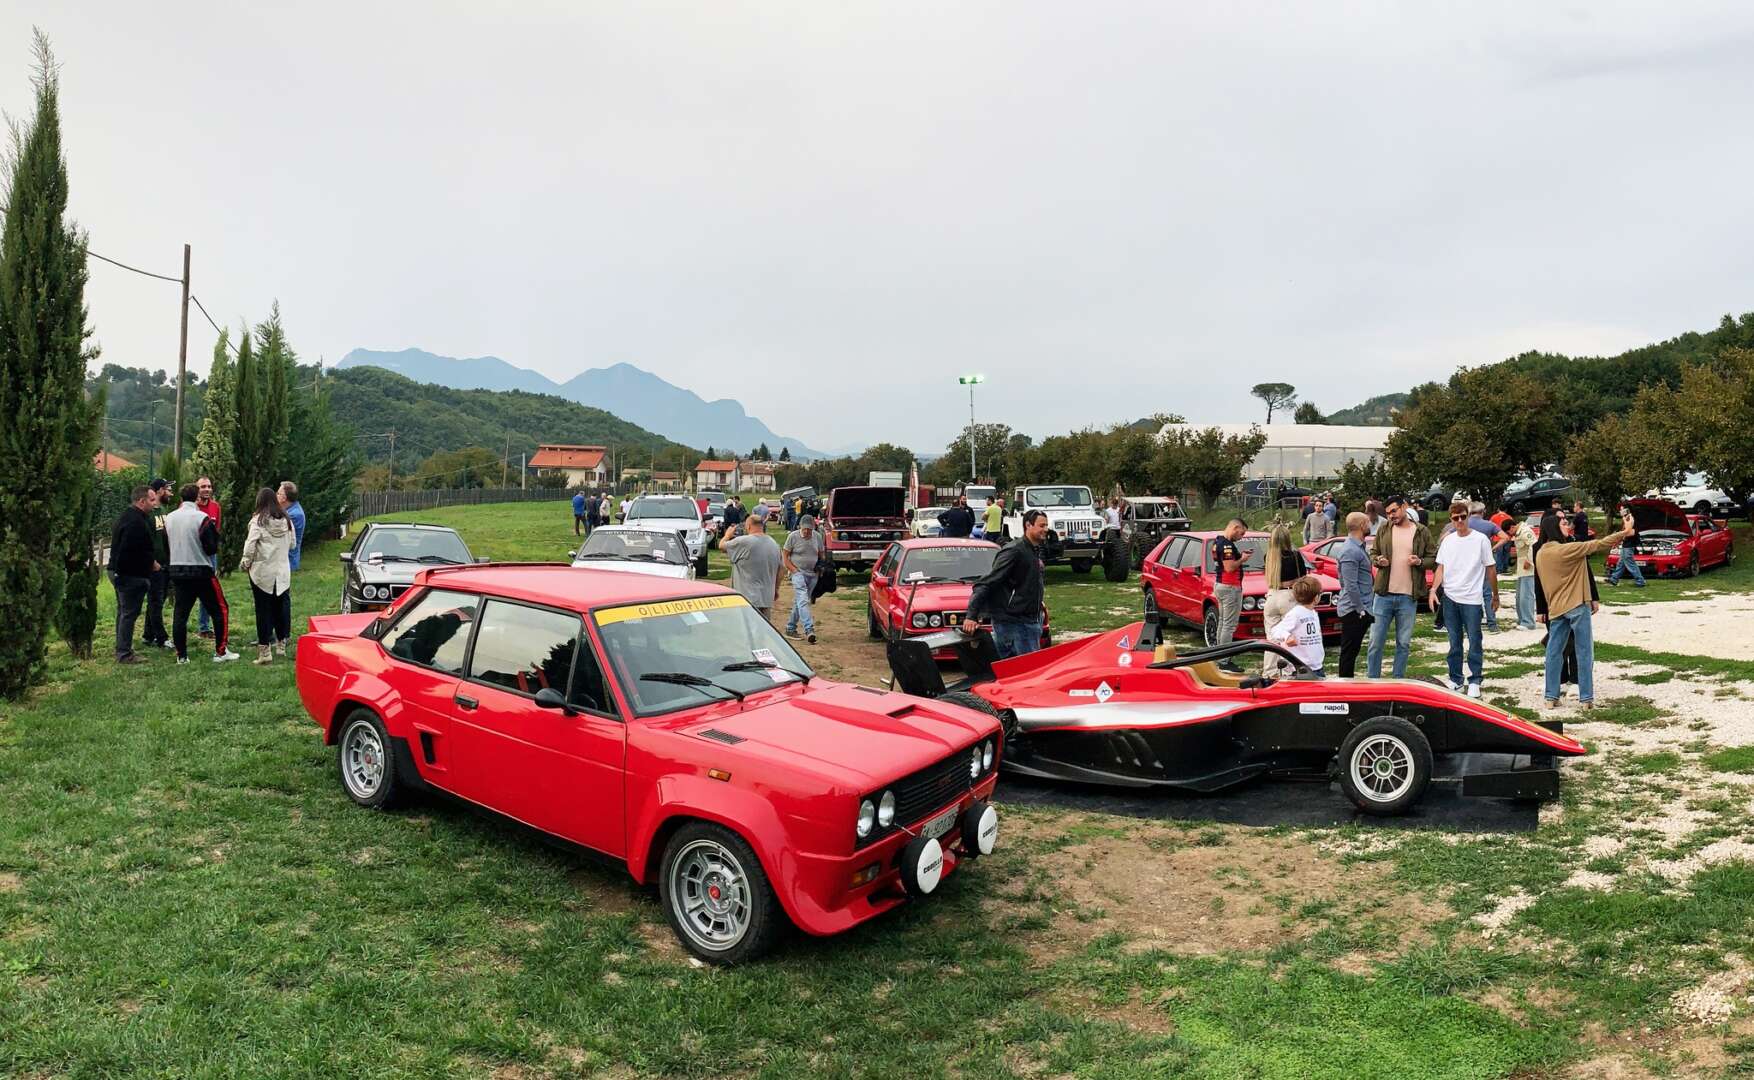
(720, 736)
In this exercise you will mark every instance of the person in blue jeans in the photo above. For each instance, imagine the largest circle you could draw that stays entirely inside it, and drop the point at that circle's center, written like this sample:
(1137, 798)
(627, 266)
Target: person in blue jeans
(1628, 564)
(295, 514)
(1399, 552)
(1563, 566)
(1468, 578)
(803, 554)
(1010, 592)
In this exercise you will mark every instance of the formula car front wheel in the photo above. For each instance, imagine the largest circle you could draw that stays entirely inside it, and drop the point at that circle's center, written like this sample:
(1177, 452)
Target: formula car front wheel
(1385, 766)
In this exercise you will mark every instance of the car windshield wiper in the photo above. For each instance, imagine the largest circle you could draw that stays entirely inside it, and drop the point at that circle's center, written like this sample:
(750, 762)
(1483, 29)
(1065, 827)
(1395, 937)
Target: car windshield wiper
(391, 558)
(763, 665)
(692, 681)
(601, 555)
(929, 579)
(438, 558)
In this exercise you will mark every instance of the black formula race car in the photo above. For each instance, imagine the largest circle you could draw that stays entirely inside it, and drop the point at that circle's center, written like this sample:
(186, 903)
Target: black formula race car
(1124, 709)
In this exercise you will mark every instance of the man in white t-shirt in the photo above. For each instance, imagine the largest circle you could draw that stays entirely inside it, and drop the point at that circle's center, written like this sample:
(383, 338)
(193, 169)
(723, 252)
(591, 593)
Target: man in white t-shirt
(1468, 576)
(1300, 630)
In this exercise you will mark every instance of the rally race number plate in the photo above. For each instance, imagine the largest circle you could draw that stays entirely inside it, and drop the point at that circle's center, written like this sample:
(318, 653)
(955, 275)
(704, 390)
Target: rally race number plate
(939, 825)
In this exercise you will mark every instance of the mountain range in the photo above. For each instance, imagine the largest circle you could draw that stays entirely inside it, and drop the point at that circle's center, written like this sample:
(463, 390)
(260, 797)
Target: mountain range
(628, 392)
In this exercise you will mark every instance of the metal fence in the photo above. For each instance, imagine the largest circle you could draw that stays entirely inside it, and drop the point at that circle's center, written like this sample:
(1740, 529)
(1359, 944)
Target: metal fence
(373, 503)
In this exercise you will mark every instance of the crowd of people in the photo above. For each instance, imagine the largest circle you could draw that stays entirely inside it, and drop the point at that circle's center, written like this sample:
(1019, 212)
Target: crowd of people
(165, 545)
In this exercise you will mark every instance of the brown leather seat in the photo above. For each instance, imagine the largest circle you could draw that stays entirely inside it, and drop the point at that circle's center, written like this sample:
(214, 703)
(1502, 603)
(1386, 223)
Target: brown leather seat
(1206, 673)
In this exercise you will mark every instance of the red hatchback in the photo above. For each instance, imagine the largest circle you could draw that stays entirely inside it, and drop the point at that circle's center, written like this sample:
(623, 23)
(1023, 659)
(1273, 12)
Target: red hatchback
(1672, 543)
(1179, 574)
(922, 586)
(667, 725)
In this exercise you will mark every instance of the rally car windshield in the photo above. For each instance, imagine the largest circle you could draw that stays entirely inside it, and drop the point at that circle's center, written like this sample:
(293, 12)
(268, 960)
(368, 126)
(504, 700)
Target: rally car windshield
(413, 545)
(1050, 497)
(652, 546)
(663, 508)
(683, 642)
(947, 563)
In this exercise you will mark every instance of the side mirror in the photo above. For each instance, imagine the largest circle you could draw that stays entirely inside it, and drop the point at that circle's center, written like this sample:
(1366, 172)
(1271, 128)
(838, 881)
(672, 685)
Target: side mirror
(550, 698)
(347, 556)
(572, 554)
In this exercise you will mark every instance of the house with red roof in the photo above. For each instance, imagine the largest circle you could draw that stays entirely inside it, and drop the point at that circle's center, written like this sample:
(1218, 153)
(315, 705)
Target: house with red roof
(717, 476)
(583, 466)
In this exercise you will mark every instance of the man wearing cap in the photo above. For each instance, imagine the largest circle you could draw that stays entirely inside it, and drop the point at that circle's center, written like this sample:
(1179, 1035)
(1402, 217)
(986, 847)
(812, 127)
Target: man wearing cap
(164, 499)
(803, 554)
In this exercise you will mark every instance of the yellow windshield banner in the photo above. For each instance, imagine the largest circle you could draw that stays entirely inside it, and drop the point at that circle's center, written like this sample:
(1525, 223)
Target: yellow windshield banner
(611, 616)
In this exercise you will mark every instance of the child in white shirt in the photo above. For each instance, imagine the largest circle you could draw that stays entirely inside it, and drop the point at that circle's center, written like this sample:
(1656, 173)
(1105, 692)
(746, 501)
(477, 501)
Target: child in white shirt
(1300, 631)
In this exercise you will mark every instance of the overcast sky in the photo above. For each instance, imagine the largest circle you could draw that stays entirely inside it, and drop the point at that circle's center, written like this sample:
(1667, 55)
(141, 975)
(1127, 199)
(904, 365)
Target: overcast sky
(829, 210)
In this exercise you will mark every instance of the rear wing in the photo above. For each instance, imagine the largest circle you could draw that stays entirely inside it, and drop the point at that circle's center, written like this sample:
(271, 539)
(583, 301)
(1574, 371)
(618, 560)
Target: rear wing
(917, 673)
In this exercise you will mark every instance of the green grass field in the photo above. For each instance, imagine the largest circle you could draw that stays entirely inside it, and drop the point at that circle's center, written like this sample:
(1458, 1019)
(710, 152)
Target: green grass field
(184, 891)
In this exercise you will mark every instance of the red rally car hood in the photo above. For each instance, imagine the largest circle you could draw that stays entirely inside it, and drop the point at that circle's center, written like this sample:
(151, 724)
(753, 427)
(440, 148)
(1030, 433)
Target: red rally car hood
(863, 738)
(935, 596)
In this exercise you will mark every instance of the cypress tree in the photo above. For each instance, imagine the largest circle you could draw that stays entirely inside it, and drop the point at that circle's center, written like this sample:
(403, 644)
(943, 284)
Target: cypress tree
(274, 362)
(247, 448)
(48, 430)
(213, 457)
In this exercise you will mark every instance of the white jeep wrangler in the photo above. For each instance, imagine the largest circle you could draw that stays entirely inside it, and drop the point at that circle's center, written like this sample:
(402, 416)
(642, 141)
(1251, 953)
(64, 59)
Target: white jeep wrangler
(1074, 523)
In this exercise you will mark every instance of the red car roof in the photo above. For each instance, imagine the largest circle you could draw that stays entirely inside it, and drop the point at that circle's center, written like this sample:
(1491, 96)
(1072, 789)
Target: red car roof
(564, 586)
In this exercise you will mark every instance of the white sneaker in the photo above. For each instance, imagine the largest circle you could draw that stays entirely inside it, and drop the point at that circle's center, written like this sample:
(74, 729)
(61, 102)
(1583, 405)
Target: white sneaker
(1473, 689)
(224, 656)
(182, 660)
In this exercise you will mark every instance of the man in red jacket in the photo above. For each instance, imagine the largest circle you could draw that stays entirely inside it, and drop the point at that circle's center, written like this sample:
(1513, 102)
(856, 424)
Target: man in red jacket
(209, 506)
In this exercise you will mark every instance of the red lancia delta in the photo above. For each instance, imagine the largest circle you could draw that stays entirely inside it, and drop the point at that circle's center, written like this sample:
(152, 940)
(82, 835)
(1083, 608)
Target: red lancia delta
(1179, 574)
(919, 587)
(663, 723)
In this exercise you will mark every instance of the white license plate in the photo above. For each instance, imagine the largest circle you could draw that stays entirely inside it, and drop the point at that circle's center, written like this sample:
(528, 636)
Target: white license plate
(869, 554)
(939, 825)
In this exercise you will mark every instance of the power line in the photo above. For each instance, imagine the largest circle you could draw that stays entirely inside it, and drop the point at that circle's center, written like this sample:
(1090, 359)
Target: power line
(136, 269)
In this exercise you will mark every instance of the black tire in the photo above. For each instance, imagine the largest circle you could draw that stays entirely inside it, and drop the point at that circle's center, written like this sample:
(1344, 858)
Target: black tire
(346, 602)
(970, 700)
(1384, 765)
(1693, 565)
(697, 846)
(1702, 508)
(1082, 566)
(1209, 626)
(1114, 559)
(366, 762)
(700, 564)
(1136, 553)
(871, 627)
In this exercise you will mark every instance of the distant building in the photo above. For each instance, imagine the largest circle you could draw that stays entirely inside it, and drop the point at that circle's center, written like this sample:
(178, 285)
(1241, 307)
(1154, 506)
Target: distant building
(666, 481)
(718, 476)
(757, 475)
(105, 461)
(1311, 452)
(651, 480)
(583, 466)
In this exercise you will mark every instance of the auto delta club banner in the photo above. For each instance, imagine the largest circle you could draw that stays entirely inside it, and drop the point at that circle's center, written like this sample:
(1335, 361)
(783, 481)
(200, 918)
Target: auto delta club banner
(610, 616)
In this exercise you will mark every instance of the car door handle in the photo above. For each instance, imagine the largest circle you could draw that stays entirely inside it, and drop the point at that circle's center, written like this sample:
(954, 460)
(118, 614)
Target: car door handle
(464, 702)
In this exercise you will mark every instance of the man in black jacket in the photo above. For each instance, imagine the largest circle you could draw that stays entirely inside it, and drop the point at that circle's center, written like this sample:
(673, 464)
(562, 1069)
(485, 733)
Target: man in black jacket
(958, 521)
(164, 500)
(131, 568)
(1010, 593)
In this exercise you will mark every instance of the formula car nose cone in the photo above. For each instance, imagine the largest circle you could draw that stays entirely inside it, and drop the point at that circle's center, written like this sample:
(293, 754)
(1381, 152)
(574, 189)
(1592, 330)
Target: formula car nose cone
(922, 865)
(980, 829)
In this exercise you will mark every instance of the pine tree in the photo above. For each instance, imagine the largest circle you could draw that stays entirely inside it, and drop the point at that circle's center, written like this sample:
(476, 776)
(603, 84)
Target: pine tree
(322, 459)
(785, 453)
(248, 447)
(48, 430)
(213, 456)
(274, 362)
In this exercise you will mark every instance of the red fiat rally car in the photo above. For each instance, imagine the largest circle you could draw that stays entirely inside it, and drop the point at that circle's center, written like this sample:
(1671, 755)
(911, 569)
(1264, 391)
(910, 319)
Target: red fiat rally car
(1179, 574)
(922, 586)
(663, 723)
(1672, 543)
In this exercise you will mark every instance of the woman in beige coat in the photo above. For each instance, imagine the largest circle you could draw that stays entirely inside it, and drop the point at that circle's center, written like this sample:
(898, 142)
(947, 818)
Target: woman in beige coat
(268, 561)
(1283, 565)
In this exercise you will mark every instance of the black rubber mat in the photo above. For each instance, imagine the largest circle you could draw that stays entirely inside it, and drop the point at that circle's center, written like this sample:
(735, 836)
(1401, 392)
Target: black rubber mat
(1276, 802)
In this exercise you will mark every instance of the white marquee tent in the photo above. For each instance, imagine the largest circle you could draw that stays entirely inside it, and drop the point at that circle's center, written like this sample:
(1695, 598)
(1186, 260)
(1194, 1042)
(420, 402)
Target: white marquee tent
(1304, 451)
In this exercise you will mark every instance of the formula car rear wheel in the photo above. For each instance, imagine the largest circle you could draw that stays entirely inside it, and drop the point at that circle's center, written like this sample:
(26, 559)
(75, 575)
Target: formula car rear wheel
(1385, 766)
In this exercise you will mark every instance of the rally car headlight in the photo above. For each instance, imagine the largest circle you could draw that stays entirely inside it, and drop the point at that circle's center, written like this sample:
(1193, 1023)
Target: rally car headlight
(935, 620)
(371, 592)
(919, 619)
(1249, 603)
(867, 818)
(886, 809)
(986, 755)
(974, 762)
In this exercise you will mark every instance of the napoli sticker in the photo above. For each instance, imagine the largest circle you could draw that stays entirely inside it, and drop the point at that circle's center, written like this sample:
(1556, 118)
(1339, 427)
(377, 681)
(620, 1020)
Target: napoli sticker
(1126, 642)
(1080, 693)
(1126, 659)
(1104, 692)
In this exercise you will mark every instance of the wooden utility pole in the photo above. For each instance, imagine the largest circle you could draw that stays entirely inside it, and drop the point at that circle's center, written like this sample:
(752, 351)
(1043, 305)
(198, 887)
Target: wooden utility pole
(391, 484)
(182, 361)
(524, 473)
(505, 463)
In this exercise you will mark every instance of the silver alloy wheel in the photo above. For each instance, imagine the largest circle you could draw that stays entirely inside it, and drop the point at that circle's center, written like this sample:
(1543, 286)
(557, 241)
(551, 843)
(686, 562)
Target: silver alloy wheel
(709, 891)
(1382, 768)
(362, 759)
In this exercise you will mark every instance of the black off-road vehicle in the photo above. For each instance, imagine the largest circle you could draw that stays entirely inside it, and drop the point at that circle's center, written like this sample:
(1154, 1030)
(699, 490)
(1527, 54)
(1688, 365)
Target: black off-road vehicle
(1153, 518)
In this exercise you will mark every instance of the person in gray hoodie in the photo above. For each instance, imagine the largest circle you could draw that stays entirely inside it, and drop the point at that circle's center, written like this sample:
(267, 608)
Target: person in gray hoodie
(268, 561)
(193, 539)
